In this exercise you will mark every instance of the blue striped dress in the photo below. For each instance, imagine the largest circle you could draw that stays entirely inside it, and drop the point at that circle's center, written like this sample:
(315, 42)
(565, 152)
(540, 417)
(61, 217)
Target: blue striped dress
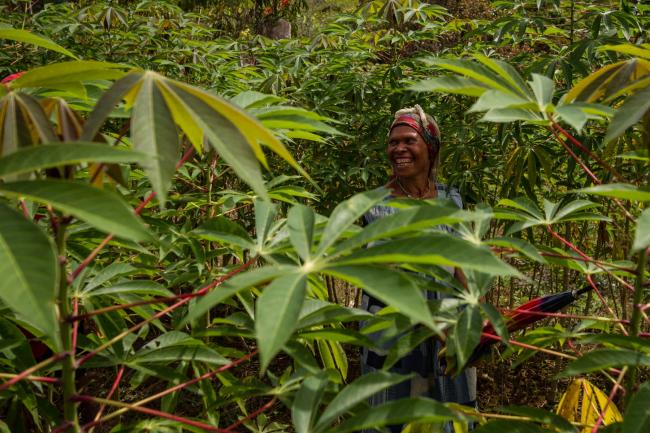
(429, 379)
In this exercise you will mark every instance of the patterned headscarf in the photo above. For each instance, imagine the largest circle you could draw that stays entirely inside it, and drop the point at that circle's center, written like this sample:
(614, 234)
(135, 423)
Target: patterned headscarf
(426, 126)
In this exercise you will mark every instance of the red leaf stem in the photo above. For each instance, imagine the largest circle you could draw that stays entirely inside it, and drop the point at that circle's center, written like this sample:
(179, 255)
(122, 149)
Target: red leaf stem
(137, 211)
(576, 158)
(26, 373)
(603, 301)
(99, 311)
(529, 346)
(114, 387)
(169, 309)
(612, 393)
(589, 260)
(172, 389)
(23, 206)
(42, 379)
(586, 257)
(75, 325)
(149, 411)
(584, 149)
(251, 415)
(565, 315)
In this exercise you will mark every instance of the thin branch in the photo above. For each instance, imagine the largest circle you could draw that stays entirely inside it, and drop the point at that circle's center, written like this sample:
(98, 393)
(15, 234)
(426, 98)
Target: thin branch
(42, 379)
(251, 415)
(108, 238)
(148, 411)
(116, 384)
(529, 346)
(169, 309)
(175, 388)
(616, 387)
(28, 372)
(584, 149)
(566, 316)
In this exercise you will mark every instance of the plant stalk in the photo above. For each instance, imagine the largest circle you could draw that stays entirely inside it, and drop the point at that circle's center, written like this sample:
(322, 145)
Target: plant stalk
(635, 325)
(70, 414)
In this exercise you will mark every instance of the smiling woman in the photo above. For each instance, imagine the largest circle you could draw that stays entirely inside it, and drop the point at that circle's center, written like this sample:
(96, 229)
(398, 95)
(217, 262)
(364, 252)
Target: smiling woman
(414, 154)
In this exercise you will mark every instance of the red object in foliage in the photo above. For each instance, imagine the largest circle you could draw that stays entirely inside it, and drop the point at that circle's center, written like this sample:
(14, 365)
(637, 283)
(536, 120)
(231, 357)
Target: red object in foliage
(524, 315)
(284, 3)
(11, 77)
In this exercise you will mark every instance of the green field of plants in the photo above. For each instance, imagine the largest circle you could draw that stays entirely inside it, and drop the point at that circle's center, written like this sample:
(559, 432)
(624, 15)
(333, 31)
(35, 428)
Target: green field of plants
(182, 188)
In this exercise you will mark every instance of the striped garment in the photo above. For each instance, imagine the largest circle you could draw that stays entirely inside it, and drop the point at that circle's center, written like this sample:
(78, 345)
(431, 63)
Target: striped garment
(429, 379)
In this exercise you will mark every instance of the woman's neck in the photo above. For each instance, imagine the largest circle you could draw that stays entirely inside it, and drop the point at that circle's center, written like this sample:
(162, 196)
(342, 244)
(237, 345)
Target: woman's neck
(416, 187)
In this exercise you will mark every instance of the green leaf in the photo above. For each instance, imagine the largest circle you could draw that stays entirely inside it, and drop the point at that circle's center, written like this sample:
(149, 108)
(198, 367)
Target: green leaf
(67, 76)
(34, 39)
(106, 211)
(357, 392)
(629, 113)
(29, 270)
(138, 287)
(466, 334)
(497, 99)
(200, 110)
(276, 314)
(603, 359)
(306, 402)
(300, 222)
(397, 412)
(619, 190)
(456, 85)
(346, 213)
(517, 244)
(381, 282)
(637, 414)
(404, 221)
(642, 235)
(542, 416)
(224, 230)
(53, 155)
(153, 133)
(436, 249)
(543, 90)
(232, 287)
(497, 322)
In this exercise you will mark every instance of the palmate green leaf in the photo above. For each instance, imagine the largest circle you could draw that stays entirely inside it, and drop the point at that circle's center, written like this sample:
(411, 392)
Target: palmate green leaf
(276, 314)
(637, 414)
(106, 211)
(29, 270)
(642, 234)
(20, 116)
(506, 115)
(543, 88)
(519, 245)
(475, 71)
(227, 137)
(224, 230)
(316, 312)
(619, 190)
(300, 221)
(455, 85)
(154, 134)
(404, 221)
(137, 287)
(337, 335)
(435, 249)
(602, 359)
(346, 213)
(306, 402)
(54, 155)
(629, 113)
(34, 39)
(233, 286)
(397, 412)
(68, 76)
(493, 99)
(355, 393)
(381, 282)
(466, 334)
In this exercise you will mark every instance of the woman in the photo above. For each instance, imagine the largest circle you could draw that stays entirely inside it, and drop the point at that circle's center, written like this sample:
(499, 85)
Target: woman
(414, 154)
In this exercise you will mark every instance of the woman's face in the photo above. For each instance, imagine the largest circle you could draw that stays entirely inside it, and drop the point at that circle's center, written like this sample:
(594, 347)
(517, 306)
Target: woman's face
(407, 152)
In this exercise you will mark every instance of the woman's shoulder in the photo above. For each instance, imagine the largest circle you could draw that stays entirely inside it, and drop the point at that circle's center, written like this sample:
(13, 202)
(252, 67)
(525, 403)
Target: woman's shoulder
(449, 192)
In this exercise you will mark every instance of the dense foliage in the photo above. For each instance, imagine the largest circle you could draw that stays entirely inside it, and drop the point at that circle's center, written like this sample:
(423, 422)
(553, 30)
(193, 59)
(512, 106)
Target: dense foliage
(218, 304)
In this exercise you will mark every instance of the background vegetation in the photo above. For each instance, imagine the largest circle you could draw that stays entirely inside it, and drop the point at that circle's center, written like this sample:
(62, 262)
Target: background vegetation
(227, 301)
